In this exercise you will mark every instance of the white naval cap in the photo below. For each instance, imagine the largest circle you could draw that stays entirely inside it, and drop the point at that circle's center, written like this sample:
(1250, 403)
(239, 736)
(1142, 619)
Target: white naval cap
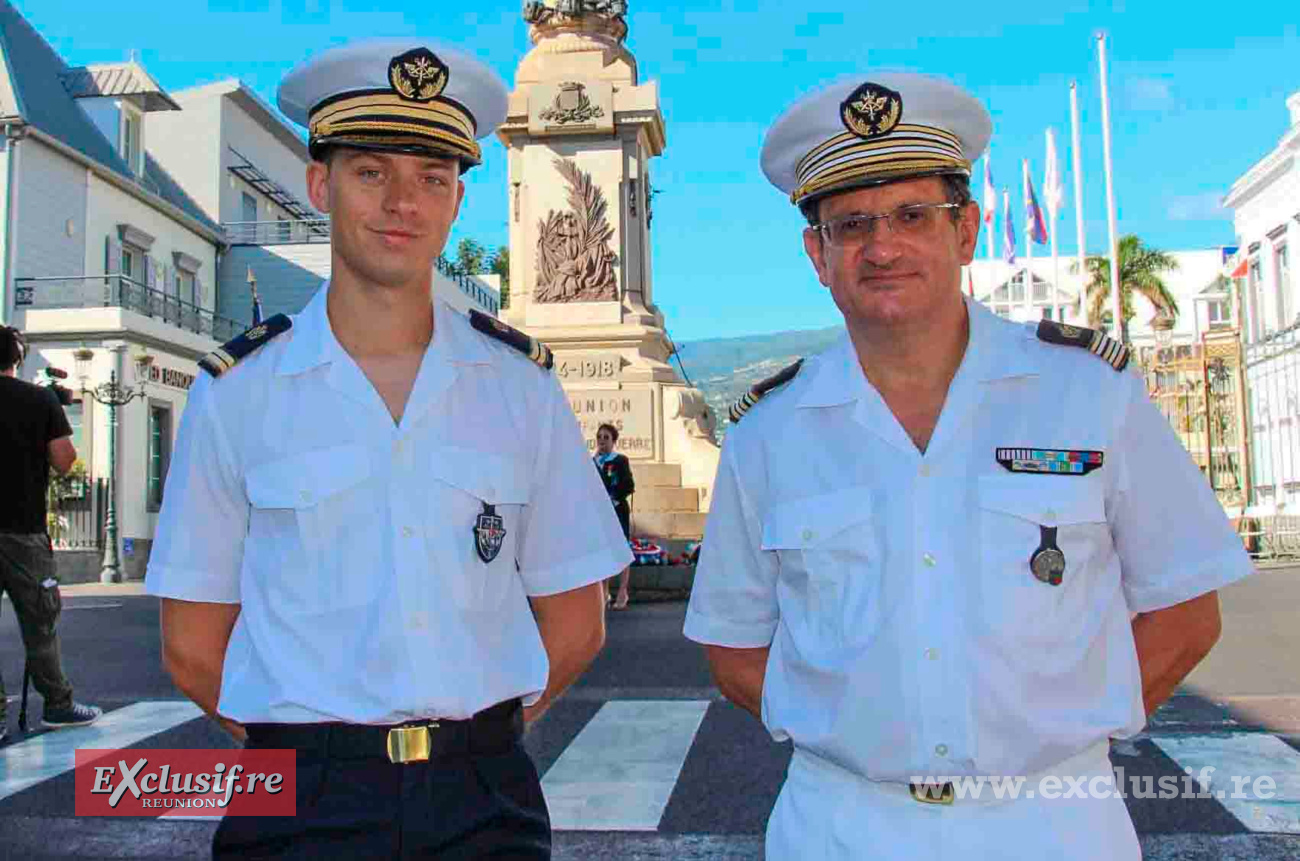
(402, 95)
(874, 129)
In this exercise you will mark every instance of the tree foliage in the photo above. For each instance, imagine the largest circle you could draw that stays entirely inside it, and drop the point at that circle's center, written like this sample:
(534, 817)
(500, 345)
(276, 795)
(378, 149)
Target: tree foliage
(499, 264)
(470, 257)
(1140, 271)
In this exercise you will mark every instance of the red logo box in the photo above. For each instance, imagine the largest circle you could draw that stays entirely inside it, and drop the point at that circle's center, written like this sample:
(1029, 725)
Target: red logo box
(170, 782)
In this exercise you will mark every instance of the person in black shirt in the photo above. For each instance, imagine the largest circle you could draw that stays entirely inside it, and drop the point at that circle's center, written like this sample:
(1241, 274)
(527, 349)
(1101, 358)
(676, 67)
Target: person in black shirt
(34, 436)
(616, 472)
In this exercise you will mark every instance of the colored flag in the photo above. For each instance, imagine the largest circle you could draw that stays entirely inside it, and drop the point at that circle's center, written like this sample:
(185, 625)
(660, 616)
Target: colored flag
(1009, 230)
(990, 193)
(1053, 191)
(1242, 269)
(1035, 227)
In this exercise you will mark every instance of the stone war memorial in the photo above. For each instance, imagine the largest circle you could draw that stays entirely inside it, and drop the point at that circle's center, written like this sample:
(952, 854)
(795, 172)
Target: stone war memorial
(580, 133)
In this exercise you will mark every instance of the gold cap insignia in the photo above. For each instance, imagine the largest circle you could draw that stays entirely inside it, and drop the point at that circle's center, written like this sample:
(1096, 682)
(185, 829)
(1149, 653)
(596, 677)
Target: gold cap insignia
(418, 75)
(1069, 331)
(872, 110)
(255, 333)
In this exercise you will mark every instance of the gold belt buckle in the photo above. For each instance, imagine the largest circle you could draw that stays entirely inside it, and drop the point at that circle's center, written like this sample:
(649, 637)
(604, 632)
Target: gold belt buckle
(931, 794)
(410, 743)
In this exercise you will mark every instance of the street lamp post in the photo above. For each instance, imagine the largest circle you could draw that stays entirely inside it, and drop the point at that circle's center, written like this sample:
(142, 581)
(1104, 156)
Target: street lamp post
(112, 394)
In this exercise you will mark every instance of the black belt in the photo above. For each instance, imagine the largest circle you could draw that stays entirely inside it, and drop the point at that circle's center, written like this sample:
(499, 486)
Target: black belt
(493, 730)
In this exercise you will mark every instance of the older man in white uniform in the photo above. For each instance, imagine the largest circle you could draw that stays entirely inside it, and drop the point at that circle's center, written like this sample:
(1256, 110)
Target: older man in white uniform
(926, 544)
(367, 551)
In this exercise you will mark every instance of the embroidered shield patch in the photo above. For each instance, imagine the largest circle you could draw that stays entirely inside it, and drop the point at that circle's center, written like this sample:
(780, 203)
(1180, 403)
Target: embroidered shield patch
(489, 533)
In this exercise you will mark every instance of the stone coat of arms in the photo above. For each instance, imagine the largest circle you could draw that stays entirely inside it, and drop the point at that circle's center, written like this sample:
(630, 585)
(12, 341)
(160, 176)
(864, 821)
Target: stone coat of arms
(571, 105)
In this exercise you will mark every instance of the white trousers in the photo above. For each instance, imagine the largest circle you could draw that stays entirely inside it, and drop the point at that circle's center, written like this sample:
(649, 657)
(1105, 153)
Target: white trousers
(830, 814)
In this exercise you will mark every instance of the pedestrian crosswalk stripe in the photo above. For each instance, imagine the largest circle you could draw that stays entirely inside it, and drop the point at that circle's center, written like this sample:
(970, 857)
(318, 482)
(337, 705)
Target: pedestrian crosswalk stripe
(1246, 757)
(49, 754)
(618, 774)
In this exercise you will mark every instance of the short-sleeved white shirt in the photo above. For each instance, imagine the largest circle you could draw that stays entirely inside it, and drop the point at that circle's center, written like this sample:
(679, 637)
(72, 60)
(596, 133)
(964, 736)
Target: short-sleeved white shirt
(349, 541)
(908, 635)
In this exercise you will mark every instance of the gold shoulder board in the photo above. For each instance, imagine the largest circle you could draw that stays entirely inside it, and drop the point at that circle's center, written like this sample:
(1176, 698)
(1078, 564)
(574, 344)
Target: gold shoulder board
(534, 349)
(1111, 351)
(759, 390)
(230, 353)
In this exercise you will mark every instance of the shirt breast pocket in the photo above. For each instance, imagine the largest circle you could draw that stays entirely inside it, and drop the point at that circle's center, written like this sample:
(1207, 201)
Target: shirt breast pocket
(1014, 512)
(830, 569)
(303, 508)
(475, 515)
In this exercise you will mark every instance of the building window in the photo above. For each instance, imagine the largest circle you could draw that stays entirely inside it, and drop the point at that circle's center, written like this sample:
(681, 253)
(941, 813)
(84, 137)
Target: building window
(1285, 304)
(1219, 315)
(250, 207)
(132, 263)
(1255, 279)
(160, 445)
(131, 126)
(185, 287)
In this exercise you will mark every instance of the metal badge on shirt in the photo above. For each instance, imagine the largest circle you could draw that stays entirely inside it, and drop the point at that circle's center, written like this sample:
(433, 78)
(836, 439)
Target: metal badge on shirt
(1047, 563)
(489, 533)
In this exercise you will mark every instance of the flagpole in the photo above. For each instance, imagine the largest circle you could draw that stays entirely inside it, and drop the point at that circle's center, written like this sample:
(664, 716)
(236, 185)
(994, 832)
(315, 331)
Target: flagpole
(1029, 248)
(1078, 193)
(1117, 307)
(1053, 209)
(991, 215)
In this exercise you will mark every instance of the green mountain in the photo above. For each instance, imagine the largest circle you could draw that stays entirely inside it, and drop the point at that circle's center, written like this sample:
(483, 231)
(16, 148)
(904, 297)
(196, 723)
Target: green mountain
(725, 368)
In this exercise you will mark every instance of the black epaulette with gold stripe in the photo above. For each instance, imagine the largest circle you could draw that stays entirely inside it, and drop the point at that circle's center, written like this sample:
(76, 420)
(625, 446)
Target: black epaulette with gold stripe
(230, 353)
(1113, 352)
(759, 390)
(534, 349)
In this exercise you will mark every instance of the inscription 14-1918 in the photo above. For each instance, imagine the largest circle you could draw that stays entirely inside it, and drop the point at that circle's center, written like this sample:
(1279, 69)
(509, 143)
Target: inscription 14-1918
(597, 366)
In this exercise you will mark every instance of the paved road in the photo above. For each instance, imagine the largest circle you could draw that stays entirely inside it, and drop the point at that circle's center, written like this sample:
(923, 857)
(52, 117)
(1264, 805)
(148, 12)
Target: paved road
(643, 760)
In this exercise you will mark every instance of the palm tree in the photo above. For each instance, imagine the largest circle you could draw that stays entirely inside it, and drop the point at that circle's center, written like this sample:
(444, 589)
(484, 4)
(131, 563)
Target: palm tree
(1140, 269)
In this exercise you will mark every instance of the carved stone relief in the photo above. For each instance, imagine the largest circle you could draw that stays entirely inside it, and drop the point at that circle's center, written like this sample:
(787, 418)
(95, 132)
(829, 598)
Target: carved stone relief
(574, 261)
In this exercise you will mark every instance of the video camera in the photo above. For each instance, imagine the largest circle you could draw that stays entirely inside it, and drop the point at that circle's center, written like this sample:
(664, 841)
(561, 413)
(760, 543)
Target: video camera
(50, 381)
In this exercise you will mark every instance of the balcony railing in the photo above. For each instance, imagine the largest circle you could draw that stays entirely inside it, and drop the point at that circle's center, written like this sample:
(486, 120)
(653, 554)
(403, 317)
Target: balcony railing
(277, 232)
(119, 291)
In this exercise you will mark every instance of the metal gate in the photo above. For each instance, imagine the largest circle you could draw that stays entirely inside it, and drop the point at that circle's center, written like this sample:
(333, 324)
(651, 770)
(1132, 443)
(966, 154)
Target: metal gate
(1200, 388)
(1273, 386)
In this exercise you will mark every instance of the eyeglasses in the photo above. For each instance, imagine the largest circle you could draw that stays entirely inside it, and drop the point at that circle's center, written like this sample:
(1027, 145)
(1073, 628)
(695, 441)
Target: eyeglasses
(856, 228)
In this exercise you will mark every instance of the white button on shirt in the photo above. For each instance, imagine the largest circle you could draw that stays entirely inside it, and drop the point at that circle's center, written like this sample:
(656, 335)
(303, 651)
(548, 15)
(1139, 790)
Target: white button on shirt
(363, 598)
(1031, 673)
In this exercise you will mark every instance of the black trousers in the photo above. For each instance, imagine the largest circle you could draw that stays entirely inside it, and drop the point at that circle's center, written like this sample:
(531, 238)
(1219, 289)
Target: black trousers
(481, 799)
(27, 575)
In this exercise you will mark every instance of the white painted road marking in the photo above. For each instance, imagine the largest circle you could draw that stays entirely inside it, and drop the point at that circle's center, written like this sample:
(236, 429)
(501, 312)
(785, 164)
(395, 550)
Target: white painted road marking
(29, 762)
(1244, 755)
(618, 774)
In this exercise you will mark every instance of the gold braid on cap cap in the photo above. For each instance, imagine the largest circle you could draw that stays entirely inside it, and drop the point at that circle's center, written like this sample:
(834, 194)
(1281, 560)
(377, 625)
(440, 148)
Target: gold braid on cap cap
(847, 159)
(381, 117)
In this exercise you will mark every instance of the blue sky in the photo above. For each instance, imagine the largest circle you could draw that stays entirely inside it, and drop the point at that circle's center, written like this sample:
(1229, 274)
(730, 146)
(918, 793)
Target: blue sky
(1197, 97)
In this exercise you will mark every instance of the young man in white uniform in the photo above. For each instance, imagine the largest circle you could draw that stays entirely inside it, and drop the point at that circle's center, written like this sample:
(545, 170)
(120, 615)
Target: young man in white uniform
(366, 552)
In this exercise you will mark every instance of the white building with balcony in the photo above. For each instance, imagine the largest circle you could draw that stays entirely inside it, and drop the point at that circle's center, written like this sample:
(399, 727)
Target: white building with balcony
(1265, 205)
(103, 248)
